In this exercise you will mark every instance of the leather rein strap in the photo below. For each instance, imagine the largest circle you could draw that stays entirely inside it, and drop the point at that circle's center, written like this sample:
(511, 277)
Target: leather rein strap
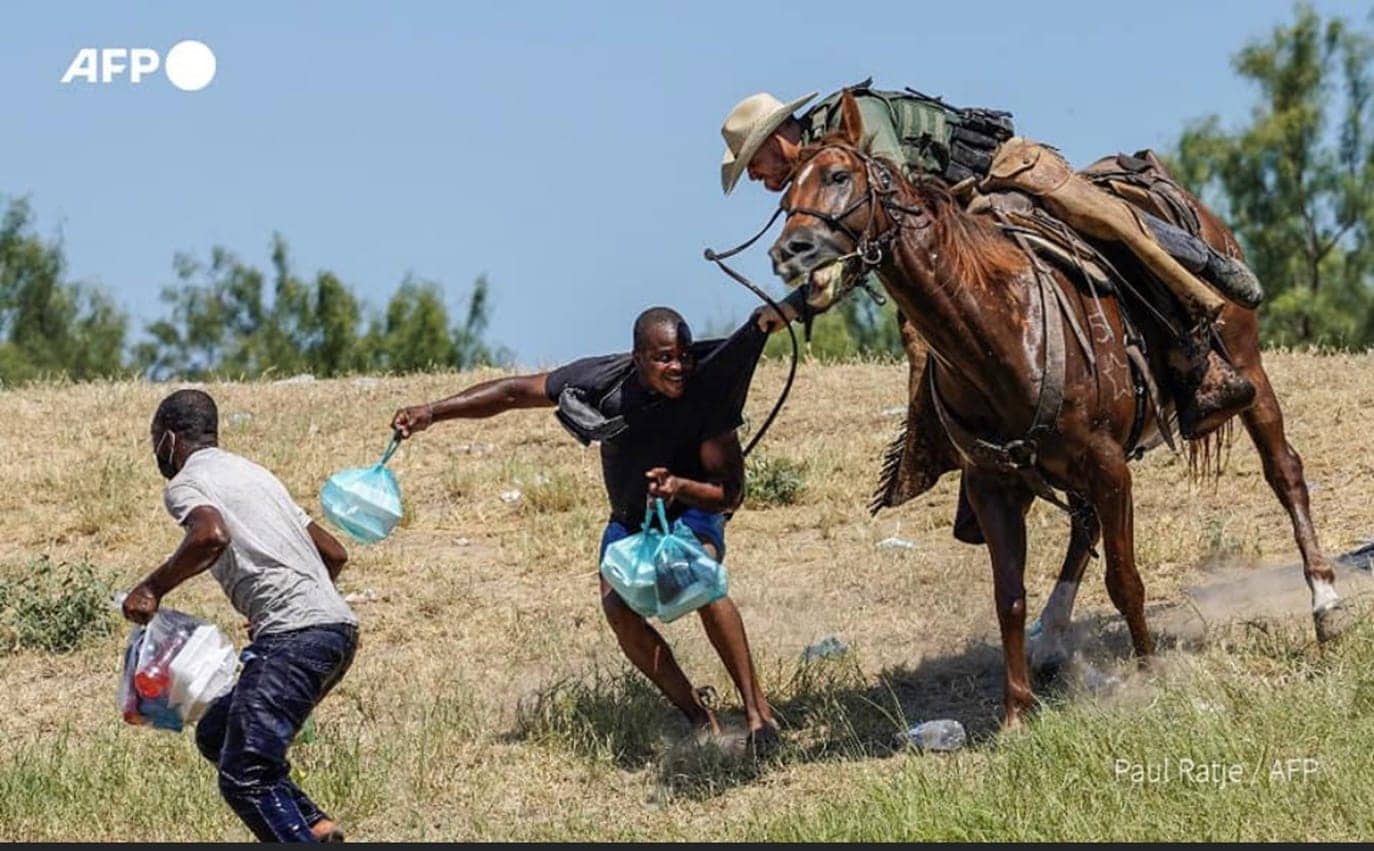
(719, 259)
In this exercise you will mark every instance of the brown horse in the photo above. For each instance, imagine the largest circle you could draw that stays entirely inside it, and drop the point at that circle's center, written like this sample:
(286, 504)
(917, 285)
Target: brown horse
(983, 309)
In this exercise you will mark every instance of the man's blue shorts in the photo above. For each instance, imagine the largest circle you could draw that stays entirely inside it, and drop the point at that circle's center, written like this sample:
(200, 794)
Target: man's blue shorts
(708, 527)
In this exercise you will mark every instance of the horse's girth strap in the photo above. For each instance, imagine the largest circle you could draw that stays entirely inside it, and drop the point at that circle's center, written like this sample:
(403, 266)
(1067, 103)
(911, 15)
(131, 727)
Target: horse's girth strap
(1010, 458)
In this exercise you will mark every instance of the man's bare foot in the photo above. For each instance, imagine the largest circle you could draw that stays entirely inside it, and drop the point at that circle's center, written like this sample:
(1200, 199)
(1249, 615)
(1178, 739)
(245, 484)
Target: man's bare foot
(764, 740)
(327, 830)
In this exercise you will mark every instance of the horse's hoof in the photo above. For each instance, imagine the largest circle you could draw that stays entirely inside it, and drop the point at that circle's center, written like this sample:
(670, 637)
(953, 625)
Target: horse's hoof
(1012, 725)
(1049, 654)
(1332, 621)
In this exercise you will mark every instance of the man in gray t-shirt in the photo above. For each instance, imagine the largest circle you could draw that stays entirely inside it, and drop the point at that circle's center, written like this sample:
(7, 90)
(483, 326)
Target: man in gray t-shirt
(272, 570)
(278, 568)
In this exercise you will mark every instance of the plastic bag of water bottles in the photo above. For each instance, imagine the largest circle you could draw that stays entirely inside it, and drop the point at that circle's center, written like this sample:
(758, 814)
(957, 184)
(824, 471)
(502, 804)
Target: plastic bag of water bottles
(663, 571)
(174, 668)
(365, 502)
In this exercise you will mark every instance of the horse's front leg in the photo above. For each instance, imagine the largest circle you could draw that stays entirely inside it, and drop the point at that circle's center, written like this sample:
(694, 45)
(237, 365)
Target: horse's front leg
(1109, 490)
(1000, 503)
(1050, 645)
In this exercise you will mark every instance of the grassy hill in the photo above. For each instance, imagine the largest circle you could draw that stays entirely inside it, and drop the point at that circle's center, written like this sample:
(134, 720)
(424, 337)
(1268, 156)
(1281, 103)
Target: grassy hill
(489, 700)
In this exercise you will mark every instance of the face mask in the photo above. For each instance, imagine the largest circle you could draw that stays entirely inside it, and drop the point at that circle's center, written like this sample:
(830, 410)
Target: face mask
(166, 466)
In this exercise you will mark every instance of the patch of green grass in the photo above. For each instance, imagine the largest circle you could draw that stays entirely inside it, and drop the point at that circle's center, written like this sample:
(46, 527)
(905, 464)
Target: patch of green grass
(615, 717)
(150, 785)
(52, 607)
(1156, 765)
(773, 480)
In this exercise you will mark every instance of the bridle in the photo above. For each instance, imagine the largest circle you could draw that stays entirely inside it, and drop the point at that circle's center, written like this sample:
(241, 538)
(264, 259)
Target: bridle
(879, 193)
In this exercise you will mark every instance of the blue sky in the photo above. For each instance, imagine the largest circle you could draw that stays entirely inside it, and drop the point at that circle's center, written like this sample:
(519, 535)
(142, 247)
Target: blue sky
(569, 151)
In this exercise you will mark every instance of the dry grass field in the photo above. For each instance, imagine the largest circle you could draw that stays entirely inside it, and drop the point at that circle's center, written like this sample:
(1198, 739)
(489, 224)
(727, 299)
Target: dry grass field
(489, 700)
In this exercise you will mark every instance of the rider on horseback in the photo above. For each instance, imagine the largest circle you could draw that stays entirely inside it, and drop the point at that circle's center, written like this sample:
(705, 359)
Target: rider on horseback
(975, 149)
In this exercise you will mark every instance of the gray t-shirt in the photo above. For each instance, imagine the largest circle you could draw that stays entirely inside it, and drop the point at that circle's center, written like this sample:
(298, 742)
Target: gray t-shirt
(271, 570)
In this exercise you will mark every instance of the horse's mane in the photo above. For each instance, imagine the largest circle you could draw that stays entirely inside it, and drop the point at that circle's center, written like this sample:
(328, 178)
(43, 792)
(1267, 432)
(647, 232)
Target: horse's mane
(969, 248)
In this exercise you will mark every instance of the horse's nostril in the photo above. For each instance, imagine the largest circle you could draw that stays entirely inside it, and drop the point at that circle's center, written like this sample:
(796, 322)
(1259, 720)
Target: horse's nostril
(800, 247)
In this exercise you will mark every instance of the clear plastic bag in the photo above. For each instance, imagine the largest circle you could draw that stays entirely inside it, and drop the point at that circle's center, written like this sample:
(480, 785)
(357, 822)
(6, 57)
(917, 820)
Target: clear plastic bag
(663, 572)
(365, 502)
(174, 668)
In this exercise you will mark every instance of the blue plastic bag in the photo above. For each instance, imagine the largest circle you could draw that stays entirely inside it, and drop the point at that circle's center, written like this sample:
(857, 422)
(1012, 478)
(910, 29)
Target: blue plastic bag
(365, 502)
(663, 572)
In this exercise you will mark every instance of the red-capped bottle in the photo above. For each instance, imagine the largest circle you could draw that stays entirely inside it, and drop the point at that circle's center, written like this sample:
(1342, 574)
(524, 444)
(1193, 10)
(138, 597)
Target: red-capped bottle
(155, 678)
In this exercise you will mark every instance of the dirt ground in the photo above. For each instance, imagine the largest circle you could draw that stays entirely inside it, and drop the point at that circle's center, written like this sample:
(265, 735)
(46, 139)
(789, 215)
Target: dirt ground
(486, 602)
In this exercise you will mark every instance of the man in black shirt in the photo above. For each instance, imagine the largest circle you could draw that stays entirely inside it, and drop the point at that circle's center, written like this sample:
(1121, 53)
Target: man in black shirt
(666, 416)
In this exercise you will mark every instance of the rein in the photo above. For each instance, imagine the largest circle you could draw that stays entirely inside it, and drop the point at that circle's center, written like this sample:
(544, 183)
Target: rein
(868, 251)
(719, 259)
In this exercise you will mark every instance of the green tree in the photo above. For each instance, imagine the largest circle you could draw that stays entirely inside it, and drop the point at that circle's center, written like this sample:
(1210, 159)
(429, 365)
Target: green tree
(222, 323)
(855, 328)
(216, 321)
(414, 334)
(48, 325)
(1297, 182)
(469, 338)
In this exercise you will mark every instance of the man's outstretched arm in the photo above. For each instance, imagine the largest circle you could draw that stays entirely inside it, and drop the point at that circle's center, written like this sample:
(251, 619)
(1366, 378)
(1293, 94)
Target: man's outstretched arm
(480, 400)
(206, 538)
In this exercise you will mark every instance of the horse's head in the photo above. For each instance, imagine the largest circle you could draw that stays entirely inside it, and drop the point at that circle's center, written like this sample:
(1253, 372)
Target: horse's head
(833, 214)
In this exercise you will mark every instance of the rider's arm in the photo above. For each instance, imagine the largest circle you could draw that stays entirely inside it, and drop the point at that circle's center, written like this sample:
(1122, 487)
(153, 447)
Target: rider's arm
(480, 400)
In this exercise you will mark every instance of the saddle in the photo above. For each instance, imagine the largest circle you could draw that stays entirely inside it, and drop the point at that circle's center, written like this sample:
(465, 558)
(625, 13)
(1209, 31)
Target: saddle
(1142, 180)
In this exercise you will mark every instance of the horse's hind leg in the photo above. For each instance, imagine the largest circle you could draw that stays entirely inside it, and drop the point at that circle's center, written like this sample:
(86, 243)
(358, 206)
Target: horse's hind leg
(1000, 504)
(1283, 471)
(1050, 648)
(1109, 490)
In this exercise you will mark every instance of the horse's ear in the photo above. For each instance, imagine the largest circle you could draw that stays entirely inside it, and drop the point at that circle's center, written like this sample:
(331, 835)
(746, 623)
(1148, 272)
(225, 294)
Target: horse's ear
(851, 121)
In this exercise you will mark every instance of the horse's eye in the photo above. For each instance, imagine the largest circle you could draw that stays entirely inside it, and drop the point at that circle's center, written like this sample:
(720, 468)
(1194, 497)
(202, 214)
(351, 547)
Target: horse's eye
(839, 178)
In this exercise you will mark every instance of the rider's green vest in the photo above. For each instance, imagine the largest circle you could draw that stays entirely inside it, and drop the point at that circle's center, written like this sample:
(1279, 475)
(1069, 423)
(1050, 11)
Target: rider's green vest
(908, 131)
(924, 135)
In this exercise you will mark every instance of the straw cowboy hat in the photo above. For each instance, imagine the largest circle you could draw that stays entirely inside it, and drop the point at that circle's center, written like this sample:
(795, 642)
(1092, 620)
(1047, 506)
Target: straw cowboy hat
(746, 128)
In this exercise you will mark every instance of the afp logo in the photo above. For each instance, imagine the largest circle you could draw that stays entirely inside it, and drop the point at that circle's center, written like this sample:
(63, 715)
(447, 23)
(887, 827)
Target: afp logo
(190, 65)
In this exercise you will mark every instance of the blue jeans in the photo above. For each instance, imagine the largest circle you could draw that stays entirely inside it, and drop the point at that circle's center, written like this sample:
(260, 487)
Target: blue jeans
(246, 733)
(709, 529)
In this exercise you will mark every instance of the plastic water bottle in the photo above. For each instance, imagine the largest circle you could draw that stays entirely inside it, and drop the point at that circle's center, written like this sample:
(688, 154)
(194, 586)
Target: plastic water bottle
(944, 734)
(672, 577)
(154, 678)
